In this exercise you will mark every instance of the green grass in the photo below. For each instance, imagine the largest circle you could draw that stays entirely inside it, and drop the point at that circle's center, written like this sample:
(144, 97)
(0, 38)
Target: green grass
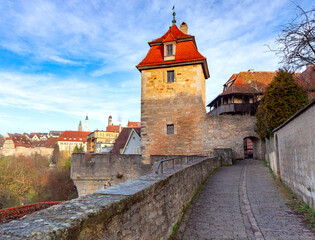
(296, 203)
(299, 206)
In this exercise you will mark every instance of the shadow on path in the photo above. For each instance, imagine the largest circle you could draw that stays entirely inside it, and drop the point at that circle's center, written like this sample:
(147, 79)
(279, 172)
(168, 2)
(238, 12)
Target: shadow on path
(242, 202)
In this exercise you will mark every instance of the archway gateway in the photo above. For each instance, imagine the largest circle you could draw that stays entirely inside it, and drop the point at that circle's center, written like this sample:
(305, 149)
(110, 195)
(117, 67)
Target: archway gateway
(248, 148)
(251, 146)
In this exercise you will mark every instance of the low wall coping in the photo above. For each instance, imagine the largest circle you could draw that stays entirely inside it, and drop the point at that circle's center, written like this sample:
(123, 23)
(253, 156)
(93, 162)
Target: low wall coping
(69, 219)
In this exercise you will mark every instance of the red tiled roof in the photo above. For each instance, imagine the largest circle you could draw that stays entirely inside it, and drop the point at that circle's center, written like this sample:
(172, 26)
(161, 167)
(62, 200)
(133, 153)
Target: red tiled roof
(20, 141)
(307, 81)
(186, 51)
(175, 32)
(51, 142)
(73, 136)
(248, 82)
(112, 128)
(169, 38)
(134, 124)
(251, 82)
(38, 143)
(122, 139)
(55, 133)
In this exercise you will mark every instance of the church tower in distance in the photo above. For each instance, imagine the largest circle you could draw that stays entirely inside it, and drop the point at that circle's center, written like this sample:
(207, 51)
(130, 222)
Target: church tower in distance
(173, 107)
(86, 127)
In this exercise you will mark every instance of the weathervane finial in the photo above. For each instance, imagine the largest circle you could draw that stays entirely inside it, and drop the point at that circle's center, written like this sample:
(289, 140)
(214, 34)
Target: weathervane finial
(174, 21)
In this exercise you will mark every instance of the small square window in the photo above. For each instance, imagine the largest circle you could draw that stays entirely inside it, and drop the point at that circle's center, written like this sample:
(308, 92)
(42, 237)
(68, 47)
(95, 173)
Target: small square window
(170, 76)
(170, 129)
(169, 49)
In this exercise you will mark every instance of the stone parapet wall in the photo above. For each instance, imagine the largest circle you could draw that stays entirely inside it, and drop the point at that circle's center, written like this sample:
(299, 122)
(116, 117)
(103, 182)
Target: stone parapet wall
(224, 155)
(295, 152)
(143, 208)
(96, 171)
(271, 156)
(22, 151)
(229, 131)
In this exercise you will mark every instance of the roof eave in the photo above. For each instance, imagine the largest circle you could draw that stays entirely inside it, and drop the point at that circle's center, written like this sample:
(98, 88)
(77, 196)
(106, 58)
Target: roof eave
(176, 64)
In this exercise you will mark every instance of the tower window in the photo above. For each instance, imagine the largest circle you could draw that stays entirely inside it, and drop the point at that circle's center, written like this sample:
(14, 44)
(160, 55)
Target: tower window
(170, 76)
(170, 129)
(169, 49)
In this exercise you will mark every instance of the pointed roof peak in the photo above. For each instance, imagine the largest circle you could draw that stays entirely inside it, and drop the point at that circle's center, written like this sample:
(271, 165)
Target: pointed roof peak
(176, 33)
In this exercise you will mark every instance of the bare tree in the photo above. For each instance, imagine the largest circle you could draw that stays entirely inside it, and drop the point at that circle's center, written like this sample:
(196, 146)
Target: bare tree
(297, 41)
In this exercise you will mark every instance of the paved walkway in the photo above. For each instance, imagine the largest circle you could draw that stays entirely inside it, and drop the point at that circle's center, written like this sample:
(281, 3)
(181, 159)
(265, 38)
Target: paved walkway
(242, 202)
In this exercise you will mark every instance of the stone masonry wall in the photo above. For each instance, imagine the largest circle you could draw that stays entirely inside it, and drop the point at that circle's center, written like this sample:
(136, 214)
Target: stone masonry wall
(181, 103)
(228, 131)
(104, 170)
(144, 208)
(295, 142)
(22, 151)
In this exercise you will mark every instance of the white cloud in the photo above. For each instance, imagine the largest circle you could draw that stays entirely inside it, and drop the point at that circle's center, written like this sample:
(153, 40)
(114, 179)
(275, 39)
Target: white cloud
(96, 39)
(71, 96)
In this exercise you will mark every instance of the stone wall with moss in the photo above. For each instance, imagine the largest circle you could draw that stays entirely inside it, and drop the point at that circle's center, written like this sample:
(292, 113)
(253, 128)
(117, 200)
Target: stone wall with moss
(143, 208)
(96, 171)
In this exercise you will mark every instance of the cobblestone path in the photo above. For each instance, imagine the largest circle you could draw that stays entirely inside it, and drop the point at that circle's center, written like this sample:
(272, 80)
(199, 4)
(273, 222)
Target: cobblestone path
(242, 202)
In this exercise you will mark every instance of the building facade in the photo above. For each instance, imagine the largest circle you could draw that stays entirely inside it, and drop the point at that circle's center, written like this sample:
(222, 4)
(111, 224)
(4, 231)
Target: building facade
(68, 140)
(241, 93)
(128, 142)
(99, 139)
(103, 141)
(173, 99)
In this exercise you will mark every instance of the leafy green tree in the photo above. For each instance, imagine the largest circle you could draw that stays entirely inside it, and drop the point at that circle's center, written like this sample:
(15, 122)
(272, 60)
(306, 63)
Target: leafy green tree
(283, 98)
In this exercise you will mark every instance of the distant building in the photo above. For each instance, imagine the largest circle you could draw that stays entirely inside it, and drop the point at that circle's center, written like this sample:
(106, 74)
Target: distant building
(111, 127)
(7, 135)
(37, 136)
(49, 143)
(68, 140)
(241, 93)
(103, 141)
(18, 144)
(86, 126)
(99, 139)
(15, 141)
(128, 142)
(55, 133)
(80, 127)
(134, 124)
(307, 81)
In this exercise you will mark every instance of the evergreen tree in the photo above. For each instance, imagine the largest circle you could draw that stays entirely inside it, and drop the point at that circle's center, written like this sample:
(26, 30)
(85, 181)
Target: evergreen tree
(76, 150)
(55, 155)
(283, 98)
(79, 149)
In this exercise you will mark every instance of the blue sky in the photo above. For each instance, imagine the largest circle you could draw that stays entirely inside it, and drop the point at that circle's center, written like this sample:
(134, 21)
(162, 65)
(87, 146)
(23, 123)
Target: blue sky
(61, 60)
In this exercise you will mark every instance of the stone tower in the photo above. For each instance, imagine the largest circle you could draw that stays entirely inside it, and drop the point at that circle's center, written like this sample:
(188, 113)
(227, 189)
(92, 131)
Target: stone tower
(110, 120)
(80, 127)
(173, 104)
(86, 128)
